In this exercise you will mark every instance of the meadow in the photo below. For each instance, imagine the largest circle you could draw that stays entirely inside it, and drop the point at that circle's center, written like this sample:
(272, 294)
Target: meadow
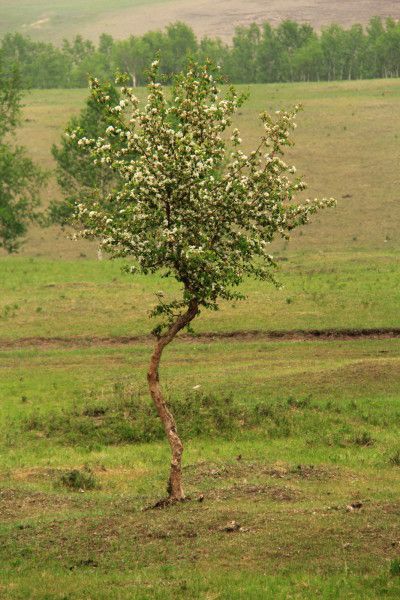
(291, 443)
(295, 442)
(55, 20)
(347, 146)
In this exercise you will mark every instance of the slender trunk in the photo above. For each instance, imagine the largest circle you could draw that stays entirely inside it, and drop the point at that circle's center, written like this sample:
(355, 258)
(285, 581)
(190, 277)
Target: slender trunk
(175, 489)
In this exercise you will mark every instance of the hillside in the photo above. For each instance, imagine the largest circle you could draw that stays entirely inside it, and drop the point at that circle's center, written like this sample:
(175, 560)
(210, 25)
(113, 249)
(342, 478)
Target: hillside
(53, 20)
(341, 115)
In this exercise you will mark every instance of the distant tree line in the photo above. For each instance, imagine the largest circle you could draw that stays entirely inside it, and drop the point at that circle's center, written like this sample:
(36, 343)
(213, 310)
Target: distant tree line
(258, 54)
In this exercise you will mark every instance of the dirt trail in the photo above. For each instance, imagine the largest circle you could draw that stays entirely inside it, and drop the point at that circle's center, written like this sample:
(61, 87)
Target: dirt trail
(295, 335)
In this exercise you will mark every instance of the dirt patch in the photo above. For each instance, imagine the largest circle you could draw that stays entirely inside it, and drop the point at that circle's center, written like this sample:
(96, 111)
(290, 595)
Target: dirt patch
(21, 504)
(307, 472)
(295, 335)
(203, 472)
(254, 492)
(36, 474)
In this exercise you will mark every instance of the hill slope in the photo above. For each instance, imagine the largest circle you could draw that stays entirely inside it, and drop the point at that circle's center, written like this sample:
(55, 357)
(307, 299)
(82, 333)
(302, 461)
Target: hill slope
(53, 20)
(347, 146)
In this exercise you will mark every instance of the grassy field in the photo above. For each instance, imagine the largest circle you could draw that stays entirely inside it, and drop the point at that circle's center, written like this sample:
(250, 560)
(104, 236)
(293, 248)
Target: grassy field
(90, 298)
(300, 449)
(54, 20)
(347, 146)
(295, 441)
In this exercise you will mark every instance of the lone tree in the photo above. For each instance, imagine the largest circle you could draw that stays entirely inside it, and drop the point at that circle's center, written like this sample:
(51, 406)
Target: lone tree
(20, 178)
(193, 205)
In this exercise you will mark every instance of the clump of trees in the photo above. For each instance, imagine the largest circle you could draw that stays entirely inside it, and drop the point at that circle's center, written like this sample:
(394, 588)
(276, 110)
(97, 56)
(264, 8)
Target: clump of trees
(258, 54)
(20, 179)
(193, 205)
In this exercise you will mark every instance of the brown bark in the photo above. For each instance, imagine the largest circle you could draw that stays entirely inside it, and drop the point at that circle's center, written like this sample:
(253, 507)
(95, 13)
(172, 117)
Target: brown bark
(175, 489)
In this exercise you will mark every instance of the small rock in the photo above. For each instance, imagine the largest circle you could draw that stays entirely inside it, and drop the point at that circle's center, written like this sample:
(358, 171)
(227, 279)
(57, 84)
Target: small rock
(354, 506)
(232, 526)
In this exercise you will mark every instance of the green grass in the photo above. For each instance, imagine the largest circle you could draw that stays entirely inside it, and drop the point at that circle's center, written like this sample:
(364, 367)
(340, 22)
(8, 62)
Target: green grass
(90, 298)
(331, 152)
(294, 431)
(54, 20)
(324, 439)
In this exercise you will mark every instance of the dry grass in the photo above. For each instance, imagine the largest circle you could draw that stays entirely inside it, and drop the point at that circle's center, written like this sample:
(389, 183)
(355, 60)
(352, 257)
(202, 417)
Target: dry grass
(220, 18)
(54, 20)
(347, 145)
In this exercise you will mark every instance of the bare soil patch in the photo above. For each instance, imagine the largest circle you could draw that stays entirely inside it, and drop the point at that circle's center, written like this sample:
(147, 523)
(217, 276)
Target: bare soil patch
(254, 491)
(203, 471)
(295, 335)
(18, 504)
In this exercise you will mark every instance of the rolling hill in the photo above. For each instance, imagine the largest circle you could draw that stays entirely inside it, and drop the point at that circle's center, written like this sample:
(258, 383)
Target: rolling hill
(53, 20)
(346, 134)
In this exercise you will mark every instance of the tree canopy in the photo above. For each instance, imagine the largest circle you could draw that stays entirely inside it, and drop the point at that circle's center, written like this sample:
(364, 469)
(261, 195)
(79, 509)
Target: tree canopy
(20, 179)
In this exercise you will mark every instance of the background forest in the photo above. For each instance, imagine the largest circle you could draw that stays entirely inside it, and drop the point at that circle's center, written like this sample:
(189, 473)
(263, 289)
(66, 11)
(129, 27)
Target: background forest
(257, 54)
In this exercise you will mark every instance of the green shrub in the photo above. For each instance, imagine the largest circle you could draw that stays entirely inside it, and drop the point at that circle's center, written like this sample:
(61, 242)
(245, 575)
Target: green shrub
(78, 479)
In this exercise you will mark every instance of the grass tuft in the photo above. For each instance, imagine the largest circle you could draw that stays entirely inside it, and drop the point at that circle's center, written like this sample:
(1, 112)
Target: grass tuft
(78, 480)
(395, 568)
(395, 459)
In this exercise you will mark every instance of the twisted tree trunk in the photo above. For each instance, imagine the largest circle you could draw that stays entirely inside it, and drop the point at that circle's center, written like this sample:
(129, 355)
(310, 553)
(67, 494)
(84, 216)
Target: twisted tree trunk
(175, 489)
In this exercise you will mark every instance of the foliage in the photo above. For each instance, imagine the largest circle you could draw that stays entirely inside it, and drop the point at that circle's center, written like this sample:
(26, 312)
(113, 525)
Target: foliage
(77, 177)
(258, 54)
(41, 65)
(20, 179)
(191, 206)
